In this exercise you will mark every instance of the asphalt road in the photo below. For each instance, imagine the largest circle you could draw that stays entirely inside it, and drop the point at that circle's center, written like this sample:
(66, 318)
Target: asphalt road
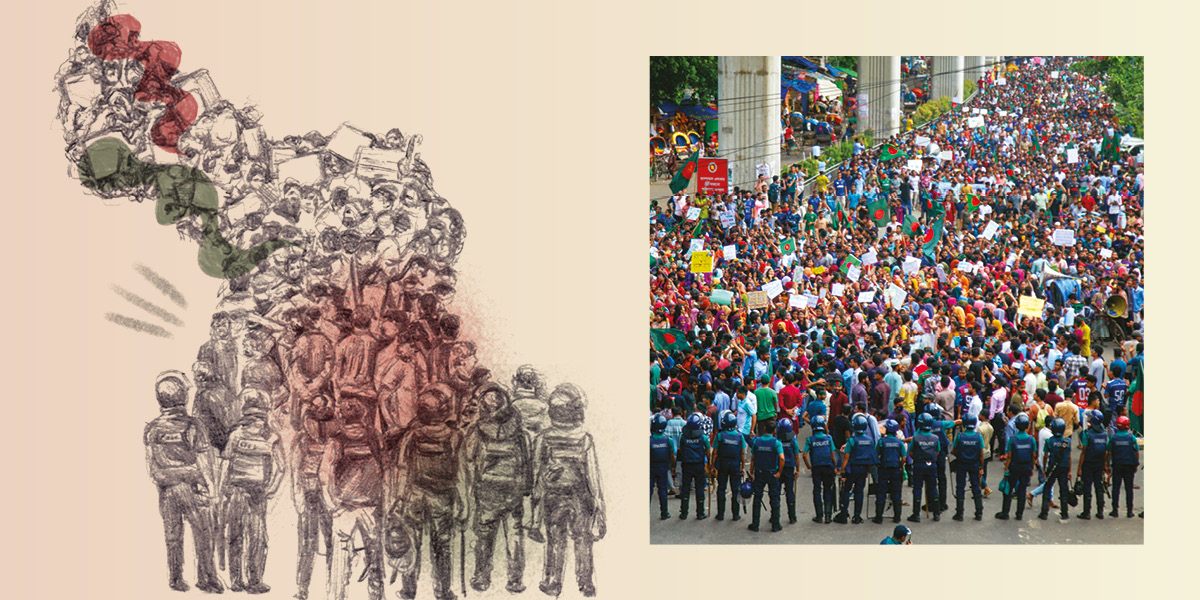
(990, 530)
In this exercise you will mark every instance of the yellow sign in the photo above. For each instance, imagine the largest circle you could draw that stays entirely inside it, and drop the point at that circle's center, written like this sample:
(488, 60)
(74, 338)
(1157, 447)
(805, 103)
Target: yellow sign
(818, 270)
(1031, 307)
(702, 261)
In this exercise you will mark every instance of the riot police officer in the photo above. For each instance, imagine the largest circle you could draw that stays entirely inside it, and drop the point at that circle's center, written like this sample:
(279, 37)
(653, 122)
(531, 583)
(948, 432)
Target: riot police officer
(767, 463)
(566, 491)
(1020, 451)
(728, 454)
(252, 470)
(924, 448)
(1123, 453)
(1093, 465)
(662, 463)
(791, 468)
(968, 461)
(693, 453)
(497, 467)
(1057, 467)
(858, 456)
(177, 455)
(939, 429)
(892, 453)
(819, 458)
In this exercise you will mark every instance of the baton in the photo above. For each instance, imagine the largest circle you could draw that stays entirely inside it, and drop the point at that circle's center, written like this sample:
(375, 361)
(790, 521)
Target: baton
(462, 560)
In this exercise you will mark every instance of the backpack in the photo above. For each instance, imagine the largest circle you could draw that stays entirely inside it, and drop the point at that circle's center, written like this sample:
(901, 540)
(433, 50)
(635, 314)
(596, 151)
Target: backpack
(433, 462)
(565, 463)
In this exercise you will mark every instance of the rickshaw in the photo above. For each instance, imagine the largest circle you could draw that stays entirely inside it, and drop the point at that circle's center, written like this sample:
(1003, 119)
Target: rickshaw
(680, 143)
(694, 140)
(658, 146)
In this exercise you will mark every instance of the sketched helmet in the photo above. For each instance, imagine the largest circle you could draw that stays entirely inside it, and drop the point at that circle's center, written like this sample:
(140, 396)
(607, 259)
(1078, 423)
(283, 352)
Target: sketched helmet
(1022, 422)
(728, 420)
(860, 423)
(567, 405)
(818, 423)
(433, 403)
(494, 401)
(254, 402)
(658, 423)
(925, 421)
(171, 388)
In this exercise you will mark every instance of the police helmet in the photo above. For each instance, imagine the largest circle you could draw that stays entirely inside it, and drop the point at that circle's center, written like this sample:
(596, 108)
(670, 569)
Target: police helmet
(1022, 422)
(860, 423)
(934, 410)
(658, 423)
(969, 422)
(728, 420)
(747, 489)
(171, 388)
(891, 426)
(493, 400)
(567, 404)
(818, 423)
(1058, 426)
(1123, 423)
(433, 403)
(783, 426)
(1097, 419)
(693, 422)
(254, 402)
(925, 421)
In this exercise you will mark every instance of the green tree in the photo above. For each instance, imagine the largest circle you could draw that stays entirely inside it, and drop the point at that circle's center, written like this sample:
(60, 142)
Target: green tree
(1124, 81)
(671, 75)
(843, 62)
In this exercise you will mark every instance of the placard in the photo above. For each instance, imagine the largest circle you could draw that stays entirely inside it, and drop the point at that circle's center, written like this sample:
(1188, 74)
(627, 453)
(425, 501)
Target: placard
(946, 155)
(702, 261)
(991, 229)
(914, 164)
(724, 297)
(941, 273)
(696, 245)
(756, 300)
(912, 264)
(728, 219)
(870, 258)
(966, 266)
(712, 176)
(1063, 237)
(693, 213)
(1105, 253)
(838, 289)
(896, 294)
(1072, 156)
(773, 288)
(797, 301)
(866, 297)
(1031, 307)
(974, 122)
(763, 170)
(813, 300)
(921, 141)
(853, 273)
(729, 251)
(816, 151)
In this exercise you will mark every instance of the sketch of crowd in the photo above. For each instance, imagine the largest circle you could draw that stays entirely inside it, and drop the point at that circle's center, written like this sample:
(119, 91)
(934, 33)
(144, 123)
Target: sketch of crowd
(336, 366)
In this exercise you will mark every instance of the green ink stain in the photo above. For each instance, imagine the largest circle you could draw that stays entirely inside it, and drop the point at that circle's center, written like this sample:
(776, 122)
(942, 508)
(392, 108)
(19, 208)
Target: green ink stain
(109, 166)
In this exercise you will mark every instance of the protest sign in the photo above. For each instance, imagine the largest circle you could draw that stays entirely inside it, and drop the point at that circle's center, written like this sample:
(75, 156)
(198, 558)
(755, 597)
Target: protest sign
(853, 273)
(921, 141)
(914, 164)
(865, 297)
(838, 289)
(713, 176)
(896, 294)
(730, 251)
(1031, 307)
(870, 258)
(1072, 156)
(966, 266)
(763, 170)
(813, 300)
(728, 219)
(946, 155)
(991, 230)
(702, 261)
(756, 300)
(911, 264)
(1063, 237)
(693, 213)
(797, 301)
(696, 245)
(1105, 253)
(941, 273)
(773, 288)
(724, 297)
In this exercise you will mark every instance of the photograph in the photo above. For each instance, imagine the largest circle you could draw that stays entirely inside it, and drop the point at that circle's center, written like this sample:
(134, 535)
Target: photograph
(896, 297)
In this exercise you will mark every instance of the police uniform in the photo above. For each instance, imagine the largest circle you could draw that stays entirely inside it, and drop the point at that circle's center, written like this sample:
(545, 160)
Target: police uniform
(787, 478)
(819, 448)
(730, 445)
(174, 441)
(1122, 448)
(968, 454)
(892, 452)
(353, 471)
(1092, 463)
(567, 491)
(662, 450)
(1058, 470)
(924, 449)
(251, 470)
(767, 450)
(939, 429)
(862, 458)
(1021, 449)
(693, 453)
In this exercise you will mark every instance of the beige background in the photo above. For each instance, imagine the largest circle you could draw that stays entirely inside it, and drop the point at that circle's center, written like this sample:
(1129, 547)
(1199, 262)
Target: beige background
(534, 118)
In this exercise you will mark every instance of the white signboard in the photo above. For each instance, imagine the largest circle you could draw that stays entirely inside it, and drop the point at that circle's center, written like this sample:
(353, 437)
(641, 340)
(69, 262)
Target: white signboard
(865, 297)
(730, 252)
(991, 229)
(911, 264)
(1063, 237)
(773, 288)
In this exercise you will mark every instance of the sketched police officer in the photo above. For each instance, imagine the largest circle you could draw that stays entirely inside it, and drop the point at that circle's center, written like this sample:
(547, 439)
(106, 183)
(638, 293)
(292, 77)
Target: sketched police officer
(177, 456)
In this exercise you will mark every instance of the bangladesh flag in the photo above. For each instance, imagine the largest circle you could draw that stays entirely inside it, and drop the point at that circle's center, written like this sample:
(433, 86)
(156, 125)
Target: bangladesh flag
(1137, 418)
(841, 219)
(669, 339)
(787, 246)
(684, 176)
(850, 260)
(891, 151)
(972, 201)
(932, 236)
(912, 227)
(879, 212)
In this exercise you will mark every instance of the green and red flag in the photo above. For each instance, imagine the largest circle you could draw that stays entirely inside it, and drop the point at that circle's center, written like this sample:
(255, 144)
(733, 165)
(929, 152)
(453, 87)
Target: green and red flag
(879, 212)
(841, 219)
(932, 236)
(972, 201)
(669, 339)
(1137, 416)
(787, 246)
(850, 260)
(912, 227)
(684, 176)
(891, 151)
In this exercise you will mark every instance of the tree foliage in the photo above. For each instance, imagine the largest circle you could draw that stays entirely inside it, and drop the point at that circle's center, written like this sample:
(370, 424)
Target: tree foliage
(1124, 80)
(843, 62)
(671, 75)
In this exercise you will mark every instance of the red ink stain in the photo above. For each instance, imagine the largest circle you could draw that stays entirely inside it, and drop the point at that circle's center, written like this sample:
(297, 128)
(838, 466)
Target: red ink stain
(117, 38)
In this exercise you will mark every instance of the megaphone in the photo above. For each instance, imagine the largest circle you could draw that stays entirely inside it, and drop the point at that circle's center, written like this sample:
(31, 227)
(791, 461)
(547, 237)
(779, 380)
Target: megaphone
(1049, 274)
(1115, 305)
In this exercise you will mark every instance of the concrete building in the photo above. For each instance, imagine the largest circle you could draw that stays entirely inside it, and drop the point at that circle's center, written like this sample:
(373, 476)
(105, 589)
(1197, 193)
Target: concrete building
(748, 94)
